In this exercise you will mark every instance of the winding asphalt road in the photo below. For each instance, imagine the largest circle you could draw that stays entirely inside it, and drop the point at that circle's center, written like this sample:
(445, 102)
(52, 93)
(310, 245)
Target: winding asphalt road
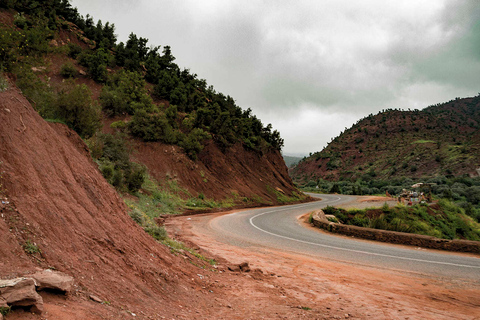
(279, 228)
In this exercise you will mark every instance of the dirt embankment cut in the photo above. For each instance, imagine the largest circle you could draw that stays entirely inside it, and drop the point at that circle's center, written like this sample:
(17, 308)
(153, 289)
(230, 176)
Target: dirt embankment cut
(248, 177)
(57, 206)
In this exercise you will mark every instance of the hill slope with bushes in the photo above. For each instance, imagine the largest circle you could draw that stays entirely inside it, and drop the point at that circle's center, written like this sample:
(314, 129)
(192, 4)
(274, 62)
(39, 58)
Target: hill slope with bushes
(138, 111)
(441, 140)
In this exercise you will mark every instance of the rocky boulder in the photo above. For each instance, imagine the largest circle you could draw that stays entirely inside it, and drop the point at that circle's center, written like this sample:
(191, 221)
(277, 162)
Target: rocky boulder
(242, 267)
(53, 280)
(20, 292)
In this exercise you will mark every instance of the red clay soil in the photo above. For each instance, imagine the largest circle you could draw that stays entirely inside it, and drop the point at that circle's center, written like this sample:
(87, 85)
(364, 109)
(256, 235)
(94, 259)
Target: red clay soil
(54, 196)
(238, 173)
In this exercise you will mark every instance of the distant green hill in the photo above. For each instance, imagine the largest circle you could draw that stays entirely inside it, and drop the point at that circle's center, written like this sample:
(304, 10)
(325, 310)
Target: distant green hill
(443, 139)
(291, 161)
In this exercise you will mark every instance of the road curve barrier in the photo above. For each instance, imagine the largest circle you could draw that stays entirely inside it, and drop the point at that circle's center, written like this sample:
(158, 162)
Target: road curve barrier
(319, 220)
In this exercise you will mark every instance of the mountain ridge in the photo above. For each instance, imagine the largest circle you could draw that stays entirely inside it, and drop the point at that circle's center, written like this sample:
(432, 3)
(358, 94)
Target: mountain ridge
(443, 139)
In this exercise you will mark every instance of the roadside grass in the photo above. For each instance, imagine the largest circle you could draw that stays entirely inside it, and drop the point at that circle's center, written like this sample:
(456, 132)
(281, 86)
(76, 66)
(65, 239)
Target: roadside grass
(168, 197)
(446, 221)
(156, 200)
(283, 198)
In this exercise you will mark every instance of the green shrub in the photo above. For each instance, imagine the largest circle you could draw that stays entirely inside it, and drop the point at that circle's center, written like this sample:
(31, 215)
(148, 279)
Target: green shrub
(5, 310)
(364, 222)
(120, 125)
(68, 70)
(3, 83)
(30, 247)
(107, 170)
(192, 144)
(96, 63)
(74, 50)
(137, 216)
(75, 106)
(125, 93)
(335, 188)
(19, 20)
(38, 92)
(117, 179)
(135, 177)
(113, 156)
(157, 232)
(154, 127)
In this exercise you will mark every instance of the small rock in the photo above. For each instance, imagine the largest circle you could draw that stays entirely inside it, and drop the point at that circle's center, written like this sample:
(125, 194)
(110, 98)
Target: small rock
(234, 268)
(244, 267)
(95, 298)
(39, 69)
(54, 280)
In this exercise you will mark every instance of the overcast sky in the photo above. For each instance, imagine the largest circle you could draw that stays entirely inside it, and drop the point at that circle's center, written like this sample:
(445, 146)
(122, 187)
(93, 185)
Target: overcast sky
(312, 68)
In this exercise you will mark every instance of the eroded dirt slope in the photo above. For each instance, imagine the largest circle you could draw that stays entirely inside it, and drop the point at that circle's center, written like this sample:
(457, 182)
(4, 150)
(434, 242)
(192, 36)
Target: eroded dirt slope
(54, 198)
(237, 173)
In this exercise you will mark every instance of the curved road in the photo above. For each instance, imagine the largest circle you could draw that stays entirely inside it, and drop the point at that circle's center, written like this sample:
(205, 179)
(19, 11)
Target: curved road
(279, 228)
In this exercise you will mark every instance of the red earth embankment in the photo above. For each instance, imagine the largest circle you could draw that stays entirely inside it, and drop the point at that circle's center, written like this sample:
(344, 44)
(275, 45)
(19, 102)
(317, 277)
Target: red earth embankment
(249, 178)
(55, 199)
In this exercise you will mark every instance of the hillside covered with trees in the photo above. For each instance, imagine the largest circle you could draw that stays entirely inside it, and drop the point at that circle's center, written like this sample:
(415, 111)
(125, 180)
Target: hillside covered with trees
(439, 140)
(393, 150)
(139, 112)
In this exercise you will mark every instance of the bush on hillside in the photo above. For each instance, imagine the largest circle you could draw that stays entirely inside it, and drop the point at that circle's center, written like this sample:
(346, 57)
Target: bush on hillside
(68, 70)
(154, 127)
(96, 63)
(74, 50)
(75, 107)
(113, 157)
(125, 93)
(192, 144)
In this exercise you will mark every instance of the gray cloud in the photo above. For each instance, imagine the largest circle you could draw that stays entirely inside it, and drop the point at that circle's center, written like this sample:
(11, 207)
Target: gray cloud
(312, 67)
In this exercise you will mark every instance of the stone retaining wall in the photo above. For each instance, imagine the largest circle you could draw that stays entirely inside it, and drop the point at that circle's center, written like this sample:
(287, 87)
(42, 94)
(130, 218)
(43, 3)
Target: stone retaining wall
(320, 221)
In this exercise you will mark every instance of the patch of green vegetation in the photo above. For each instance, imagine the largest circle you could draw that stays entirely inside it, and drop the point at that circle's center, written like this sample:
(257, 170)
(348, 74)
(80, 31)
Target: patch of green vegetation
(447, 221)
(332, 219)
(68, 70)
(55, 121)
(157, 199)
(146, 208)
(112, 154)
(310, 218)
(423, 141)
(283, 198)
(30, 247)
(464, 191)
(3, 82)
(167, 197)
(175, 246)
(5, 310)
